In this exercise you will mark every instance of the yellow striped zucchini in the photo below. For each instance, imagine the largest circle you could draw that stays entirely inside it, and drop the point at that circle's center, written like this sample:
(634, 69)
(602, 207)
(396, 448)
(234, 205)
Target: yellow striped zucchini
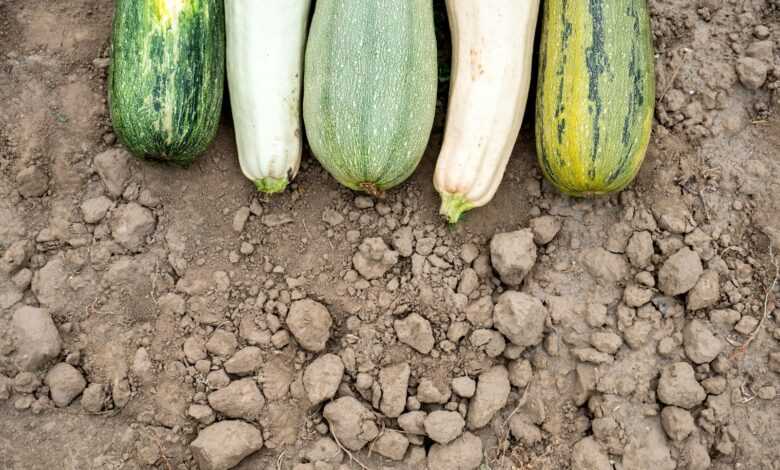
(596, 94)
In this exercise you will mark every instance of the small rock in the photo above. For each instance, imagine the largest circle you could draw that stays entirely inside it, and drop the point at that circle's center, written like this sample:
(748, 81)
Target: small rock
(364, 202)
(32, 182)
(680, 272)
(587, 454)
(201, 413)
(65, 383)
(433, 391)
(525, 432)
(605, 266)
(26, 382)
(222, 343)
(480, 312)
(310, 324)
(705, 293)
(677, 422)
(520, 373)
(37, 340)
(240, 218)
(520, 317)
(606, 341)
(617, 237)
(635, 296)
(469, 252)
(701, 345)
(245, 362)
(726, 317)
(332, 218)
(492, 394)
(131, 224)
(94, 398)
(444, 426)
(640, 249)
(746, 325)
(714, 385)
(403, 241)
(413, 422)
(545, 228)
(761, 50)
(113, 166)
(351, 422)
(394, 381)
(224, 445)
(324, 449)
(142, 367)
(469, 282)
(513, 254)
(240, 399)
(374, 258)
(93, 210)
(194, 349)
(767, 392)
(391, 444)
(322, 378)
(752, 72)
(415, 331)
(696, 455)
(678, 386)
(464, 453)
(466, 386)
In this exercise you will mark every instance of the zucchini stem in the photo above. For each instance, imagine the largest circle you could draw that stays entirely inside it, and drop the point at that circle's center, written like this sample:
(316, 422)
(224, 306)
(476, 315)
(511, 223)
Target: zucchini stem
(271, 185)
(453, 206)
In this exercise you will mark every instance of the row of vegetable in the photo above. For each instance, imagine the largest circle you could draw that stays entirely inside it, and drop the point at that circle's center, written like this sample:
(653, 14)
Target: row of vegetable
(365, 79)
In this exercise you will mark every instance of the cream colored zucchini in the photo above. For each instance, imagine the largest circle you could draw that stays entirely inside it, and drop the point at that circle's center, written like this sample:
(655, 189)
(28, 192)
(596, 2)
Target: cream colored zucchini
(265, 46)
(492, 48)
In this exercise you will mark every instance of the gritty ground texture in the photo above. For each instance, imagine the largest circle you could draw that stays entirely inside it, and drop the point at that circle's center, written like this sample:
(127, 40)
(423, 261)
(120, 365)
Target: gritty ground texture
(161, 318)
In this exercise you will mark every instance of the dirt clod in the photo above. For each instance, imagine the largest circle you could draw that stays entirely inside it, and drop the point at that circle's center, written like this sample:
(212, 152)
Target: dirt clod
(223, 445)
(513, 254)
(309, 322)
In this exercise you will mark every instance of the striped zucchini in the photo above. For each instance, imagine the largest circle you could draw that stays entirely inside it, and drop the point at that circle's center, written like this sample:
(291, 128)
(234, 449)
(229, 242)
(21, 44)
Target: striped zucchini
(370, 89)
(167, 76)
(596, 94)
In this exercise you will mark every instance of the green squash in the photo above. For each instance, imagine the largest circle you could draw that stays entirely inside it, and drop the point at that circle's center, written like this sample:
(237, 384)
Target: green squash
(595, 94)
(370, 83)
(167, 76)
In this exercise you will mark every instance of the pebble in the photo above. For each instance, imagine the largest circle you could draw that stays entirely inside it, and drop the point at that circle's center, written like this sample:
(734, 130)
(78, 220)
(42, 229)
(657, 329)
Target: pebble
(95, 209)
(201, 413)
(752, 72)
(194, 349)
(606, 341)
(394, 381)
(403, 241)
(640, 249)
(32, 182)
(309, 322)
(413, 422)
(37, 340)
(332, 218)
(680, 272)
(26, 382)
(245, 362)
(364, 202)
(444, 426)
(131, 224)
(492, 394)
(525, 432)
(464, 453)
(677, 422)
(587, 454)
(545, 228)
(240, 399)
(520, 372)
(113, 166)
(469, 252)
(635, 296)
(322, 378)
(746, 325)
(480, 312)
(605, 266)
(324, 449)
(706, 292)
(469, 282)
(94, 398)
(617, 237)
(373, 258)
(512, 255)
(222, 343)
(391, 444)
(464, 387)
(416, 332)
(223, 445)
(520, 317)
(65, 383)
(430, 390)
(351, 422)
(240, 218)
(701, 345)
(678, 386)
(217, 379)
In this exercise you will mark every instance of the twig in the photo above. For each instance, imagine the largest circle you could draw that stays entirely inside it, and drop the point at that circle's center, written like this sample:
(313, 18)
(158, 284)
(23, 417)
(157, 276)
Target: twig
(352, 458)
(505, 434)
(753, 334)
(704, 205)
(748, 396)
(280, 460)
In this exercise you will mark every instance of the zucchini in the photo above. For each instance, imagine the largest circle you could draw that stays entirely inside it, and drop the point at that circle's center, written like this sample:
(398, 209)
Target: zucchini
(167, 76)
(265, 44)
(596, 94)
(492, 51)
(370, 89)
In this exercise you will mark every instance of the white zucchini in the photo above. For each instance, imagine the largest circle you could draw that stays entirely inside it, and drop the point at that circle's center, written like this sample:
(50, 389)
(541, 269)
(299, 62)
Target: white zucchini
(492, 48)
(265, 46)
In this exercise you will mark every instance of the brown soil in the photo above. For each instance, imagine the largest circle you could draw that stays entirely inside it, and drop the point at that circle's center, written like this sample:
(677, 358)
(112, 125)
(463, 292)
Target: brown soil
(711, 182)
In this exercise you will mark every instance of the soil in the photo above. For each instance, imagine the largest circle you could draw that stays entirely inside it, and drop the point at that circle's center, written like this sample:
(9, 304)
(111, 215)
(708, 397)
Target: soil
(142, 303)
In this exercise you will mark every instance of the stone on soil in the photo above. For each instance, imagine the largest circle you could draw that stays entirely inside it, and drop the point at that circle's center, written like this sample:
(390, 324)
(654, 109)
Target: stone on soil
(394, 381)
(37, 340)
(520, 372)
(431, 390)
(240, 399)
(545, 228)
(32, 182)
(415, 331)
(309, 322)
(224, 445)
(324, 449)
(65, 383)
(374, 258)
(465, 387)
(131, 224)
(701, 345)
(640, 249)
(245, 362)
(520, 317)
(222, 343)
(391, 444)
(113, 166)
(403, 241)
(492, 394)
(444, 426)
(464, 453)
(93, 398)
(588, 454)
(677, 422)
(706, 292)
(93, 210)
(413, 422)
(680, 272)
(480, 312)
(513, 254)
(605, 266)
(351, 422)
(322, 378)
(678, 386)
(523, 431)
